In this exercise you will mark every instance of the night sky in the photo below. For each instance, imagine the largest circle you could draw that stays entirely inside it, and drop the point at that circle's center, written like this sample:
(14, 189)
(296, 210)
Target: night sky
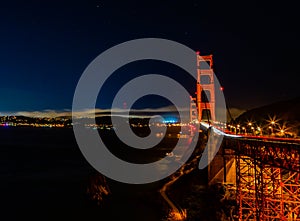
(46, 45)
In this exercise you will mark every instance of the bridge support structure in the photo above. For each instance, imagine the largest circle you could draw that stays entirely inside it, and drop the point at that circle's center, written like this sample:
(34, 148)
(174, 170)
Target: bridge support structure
(268, 191)
(205, 91)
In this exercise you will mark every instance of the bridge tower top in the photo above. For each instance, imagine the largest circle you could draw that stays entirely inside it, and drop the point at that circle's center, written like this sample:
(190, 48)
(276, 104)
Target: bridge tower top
(205, 99)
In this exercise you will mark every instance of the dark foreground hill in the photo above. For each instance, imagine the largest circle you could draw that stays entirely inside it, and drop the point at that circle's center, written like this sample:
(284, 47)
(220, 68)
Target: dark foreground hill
(285, 113)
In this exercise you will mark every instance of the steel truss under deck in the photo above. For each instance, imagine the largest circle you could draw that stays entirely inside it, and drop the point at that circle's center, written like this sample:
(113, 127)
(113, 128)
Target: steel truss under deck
(268, 180)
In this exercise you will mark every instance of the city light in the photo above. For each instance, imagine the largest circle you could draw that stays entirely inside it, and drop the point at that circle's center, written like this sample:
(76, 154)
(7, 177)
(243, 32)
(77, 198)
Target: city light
(273, 120)
(274, 127)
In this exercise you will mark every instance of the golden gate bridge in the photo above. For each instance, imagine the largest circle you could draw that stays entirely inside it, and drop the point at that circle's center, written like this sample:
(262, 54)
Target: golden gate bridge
(266, 169)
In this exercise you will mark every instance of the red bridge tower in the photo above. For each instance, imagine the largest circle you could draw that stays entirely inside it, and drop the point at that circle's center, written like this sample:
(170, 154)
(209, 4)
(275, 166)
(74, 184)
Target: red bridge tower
(205, 94)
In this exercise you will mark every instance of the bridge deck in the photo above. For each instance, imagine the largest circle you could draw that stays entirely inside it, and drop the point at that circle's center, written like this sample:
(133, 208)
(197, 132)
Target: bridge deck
(279, 153)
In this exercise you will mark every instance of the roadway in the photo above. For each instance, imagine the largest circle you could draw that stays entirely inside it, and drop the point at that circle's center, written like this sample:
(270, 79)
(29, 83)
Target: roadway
(229, 134)
(177, 212)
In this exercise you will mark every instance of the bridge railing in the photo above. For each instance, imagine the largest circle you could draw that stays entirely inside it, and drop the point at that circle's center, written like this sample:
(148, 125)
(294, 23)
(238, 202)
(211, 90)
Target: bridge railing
(285, 155)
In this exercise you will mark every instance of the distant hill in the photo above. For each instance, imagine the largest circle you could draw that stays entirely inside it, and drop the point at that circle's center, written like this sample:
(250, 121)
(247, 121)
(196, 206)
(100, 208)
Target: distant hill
(285, 112)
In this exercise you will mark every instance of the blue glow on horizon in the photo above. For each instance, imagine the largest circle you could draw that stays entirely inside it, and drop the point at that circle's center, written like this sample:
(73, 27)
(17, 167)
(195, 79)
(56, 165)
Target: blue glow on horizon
(170, 120)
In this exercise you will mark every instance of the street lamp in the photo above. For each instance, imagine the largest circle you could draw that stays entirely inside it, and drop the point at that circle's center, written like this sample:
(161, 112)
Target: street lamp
(273, 121)
(252, 128)
(259, 130)
(244, 129)
(271, 129)
(283, 129)
(234, 129)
